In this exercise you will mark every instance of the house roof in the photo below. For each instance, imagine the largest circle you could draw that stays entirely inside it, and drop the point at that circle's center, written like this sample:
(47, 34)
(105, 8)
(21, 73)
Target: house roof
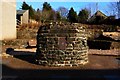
(21, 12)
(98, 13)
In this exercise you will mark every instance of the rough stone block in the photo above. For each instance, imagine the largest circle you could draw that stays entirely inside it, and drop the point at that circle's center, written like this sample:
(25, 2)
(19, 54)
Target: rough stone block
(62, 45)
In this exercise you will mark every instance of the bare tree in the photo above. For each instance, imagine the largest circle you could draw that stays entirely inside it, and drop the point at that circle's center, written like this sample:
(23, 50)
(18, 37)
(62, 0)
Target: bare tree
(63, 12)
(118, 6)
(92, 7)
(114, 9)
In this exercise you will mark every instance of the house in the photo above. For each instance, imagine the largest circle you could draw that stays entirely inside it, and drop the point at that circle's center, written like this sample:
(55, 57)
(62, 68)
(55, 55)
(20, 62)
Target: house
(97, 17)
(7, 19)
(22, 16)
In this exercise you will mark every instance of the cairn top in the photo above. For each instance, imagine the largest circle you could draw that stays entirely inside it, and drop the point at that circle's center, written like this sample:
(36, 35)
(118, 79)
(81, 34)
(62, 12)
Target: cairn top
(61, 28)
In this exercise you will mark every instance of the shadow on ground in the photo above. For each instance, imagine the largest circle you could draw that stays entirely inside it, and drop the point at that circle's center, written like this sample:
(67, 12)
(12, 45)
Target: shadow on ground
(25, 74)
(10, 73)
(29, 47)
(23, 55)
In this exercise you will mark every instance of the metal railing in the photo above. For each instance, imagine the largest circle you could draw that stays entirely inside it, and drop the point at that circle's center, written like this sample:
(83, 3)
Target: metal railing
(18, 22)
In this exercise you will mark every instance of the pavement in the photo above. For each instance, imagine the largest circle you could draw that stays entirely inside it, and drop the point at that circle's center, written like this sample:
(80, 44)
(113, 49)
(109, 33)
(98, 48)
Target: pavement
(22, 67)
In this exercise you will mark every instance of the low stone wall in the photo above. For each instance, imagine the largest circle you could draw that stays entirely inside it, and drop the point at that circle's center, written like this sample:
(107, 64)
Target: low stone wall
(115, 45)
(62, 45)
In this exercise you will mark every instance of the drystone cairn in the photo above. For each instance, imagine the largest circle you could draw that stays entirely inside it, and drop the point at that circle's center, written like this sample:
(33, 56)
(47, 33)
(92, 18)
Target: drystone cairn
(62, 45)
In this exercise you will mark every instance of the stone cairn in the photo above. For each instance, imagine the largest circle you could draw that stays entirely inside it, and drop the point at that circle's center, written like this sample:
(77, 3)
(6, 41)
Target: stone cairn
(62, 45)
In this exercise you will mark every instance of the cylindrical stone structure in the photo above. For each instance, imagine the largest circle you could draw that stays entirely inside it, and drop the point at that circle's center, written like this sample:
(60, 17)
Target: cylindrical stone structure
(62, 45)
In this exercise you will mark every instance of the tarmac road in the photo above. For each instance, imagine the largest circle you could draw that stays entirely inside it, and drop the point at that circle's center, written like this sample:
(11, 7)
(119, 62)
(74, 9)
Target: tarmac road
(23, 68)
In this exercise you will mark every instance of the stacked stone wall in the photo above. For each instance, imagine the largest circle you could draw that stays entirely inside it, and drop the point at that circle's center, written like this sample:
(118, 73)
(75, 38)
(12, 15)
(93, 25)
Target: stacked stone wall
(62, 45)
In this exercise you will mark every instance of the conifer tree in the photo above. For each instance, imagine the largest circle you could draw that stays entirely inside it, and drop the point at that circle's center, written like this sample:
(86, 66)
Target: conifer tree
(46, 6)
(25, 6)
(83, 16)
(72, 15)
